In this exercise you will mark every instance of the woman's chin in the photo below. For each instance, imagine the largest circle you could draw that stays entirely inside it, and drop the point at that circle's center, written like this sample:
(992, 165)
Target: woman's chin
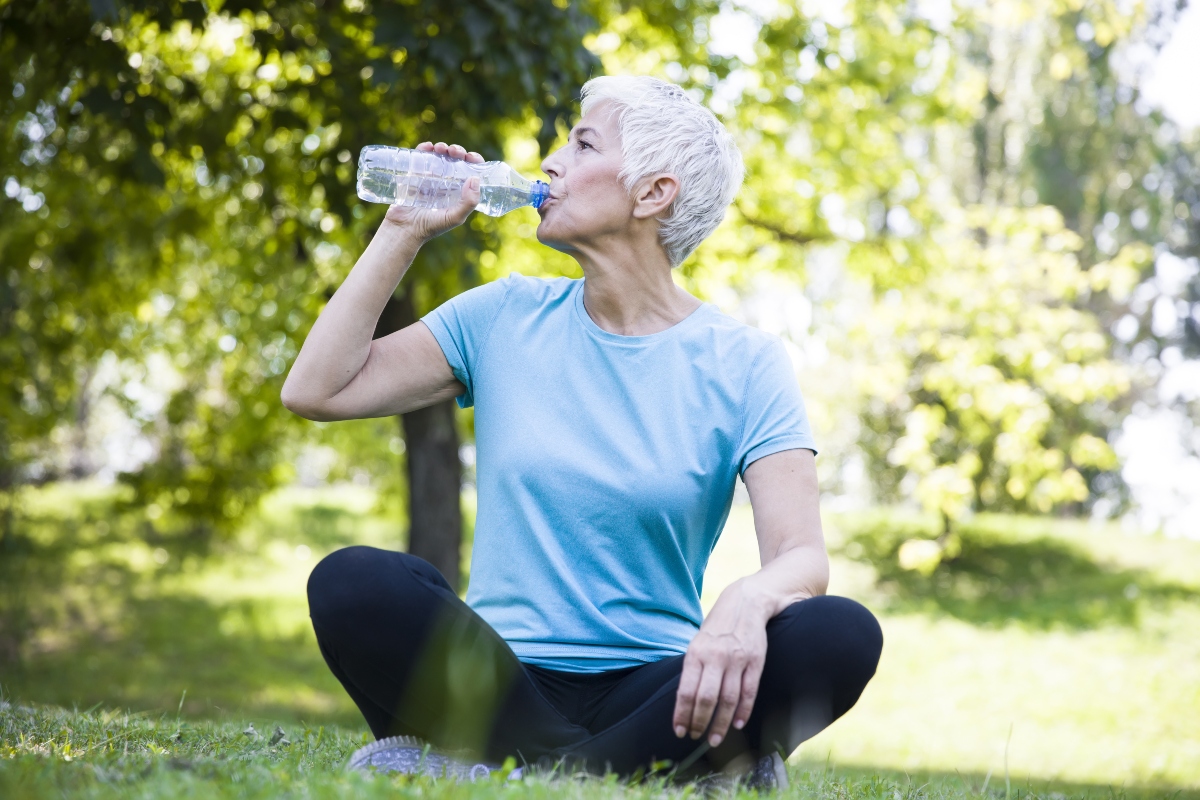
(551, 240)
(545, 233)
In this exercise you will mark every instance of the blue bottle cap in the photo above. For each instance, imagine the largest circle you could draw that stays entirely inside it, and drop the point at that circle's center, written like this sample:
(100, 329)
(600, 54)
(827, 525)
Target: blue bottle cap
(539, 193)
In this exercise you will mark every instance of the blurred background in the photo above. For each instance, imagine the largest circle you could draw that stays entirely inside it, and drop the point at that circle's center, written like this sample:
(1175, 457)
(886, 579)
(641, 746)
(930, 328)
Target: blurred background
(975, 224)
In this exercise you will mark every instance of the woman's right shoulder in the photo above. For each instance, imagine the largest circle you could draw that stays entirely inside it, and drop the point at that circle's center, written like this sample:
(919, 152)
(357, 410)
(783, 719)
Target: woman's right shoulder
(517, 292)
(526, 291)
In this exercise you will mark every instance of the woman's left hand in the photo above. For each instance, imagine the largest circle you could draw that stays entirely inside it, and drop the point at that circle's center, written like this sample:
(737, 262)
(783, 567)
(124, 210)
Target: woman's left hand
(724, 663)
(722, 667)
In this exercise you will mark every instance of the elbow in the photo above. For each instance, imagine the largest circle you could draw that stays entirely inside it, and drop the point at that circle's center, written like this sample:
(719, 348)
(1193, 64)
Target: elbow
(290, 397)
(295, 401)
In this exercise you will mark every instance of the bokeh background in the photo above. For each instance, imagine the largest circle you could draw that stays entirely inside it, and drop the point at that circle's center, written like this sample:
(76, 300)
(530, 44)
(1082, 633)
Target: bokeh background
(975, 224)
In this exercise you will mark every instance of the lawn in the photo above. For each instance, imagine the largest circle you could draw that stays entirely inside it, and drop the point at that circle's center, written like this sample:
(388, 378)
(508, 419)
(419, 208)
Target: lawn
(1051, 659)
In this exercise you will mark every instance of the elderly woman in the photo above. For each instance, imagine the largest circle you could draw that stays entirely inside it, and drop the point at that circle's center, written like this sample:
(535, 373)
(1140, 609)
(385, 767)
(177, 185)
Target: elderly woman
(613, 415)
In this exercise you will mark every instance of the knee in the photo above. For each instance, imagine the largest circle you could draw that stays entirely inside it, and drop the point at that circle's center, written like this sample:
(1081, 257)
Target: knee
(338, 584)
(845, 629)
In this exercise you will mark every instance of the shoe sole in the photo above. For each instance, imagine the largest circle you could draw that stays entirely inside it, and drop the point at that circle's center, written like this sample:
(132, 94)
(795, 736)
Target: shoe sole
(411, 756)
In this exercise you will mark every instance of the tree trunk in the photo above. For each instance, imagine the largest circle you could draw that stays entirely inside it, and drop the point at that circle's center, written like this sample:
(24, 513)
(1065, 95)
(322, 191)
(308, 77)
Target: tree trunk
(433, 466)
(434, 485)
(80, 463)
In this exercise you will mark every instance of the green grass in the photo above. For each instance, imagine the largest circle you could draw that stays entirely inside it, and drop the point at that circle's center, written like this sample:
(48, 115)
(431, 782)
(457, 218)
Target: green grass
(1030, 650)
(231, 630)
(104, 754)
(1027, 665)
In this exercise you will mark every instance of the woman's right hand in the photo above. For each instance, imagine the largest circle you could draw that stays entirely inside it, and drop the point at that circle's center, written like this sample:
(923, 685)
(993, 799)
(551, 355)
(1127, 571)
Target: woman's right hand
(342, 371)
(425, 223)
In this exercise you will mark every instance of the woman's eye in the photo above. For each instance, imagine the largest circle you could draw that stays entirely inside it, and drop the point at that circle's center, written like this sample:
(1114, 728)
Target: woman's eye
(583, 144)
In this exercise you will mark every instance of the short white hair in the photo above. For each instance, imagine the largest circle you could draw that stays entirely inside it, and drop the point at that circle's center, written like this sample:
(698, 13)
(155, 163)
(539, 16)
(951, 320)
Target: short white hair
(664, 130)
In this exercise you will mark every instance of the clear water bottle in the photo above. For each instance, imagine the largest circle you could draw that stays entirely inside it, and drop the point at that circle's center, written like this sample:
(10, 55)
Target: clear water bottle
(418, 179)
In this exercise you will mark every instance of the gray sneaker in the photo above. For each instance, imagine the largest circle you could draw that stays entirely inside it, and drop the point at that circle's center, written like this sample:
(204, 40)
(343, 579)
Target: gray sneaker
(769, 774)
(411, 756)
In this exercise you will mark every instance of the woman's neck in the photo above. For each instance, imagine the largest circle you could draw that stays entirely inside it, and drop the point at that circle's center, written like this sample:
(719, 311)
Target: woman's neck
(627, 294)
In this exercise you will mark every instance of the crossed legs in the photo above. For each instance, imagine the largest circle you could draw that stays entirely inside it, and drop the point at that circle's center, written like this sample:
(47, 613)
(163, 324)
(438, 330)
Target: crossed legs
(416, 660)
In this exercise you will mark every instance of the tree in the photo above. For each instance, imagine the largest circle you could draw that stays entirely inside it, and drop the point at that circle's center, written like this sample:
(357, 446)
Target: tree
(1063, 124)
(182, 183)
(182, 195)
(989, 386)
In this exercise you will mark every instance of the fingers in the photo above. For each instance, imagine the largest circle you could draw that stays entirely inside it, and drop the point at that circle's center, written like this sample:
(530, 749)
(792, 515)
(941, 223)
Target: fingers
(750, 680)
(715, 693)
(731, 691)
(470, 196)
(451, 150)
(685, 696)
(707, 698)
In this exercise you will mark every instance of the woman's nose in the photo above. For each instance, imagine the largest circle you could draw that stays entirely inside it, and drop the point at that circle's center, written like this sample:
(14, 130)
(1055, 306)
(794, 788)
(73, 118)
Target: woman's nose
(550, 165)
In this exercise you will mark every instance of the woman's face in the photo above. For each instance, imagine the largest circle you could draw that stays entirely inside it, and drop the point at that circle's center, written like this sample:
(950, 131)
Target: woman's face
(587, 203)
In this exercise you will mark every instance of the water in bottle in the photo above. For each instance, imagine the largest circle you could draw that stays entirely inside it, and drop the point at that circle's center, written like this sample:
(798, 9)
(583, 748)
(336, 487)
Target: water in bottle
(421, 179)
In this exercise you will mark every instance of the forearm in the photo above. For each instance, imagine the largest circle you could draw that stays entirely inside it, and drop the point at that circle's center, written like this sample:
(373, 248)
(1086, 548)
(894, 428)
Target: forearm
(732, 641)
(339, 343)
(796, 574)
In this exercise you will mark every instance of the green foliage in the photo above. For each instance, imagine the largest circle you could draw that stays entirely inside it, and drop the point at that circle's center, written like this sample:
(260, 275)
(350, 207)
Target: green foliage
(181, 191)
(182, 187)
(836, 121)
(1062, 124)
(988, 386)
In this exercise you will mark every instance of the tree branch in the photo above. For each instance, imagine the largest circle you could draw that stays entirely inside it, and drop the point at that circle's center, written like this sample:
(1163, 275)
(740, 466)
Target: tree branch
(781, 232)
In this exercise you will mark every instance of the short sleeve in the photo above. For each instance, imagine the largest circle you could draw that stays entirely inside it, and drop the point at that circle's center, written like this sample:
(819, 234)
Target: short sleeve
(462, 325)
(773, 416)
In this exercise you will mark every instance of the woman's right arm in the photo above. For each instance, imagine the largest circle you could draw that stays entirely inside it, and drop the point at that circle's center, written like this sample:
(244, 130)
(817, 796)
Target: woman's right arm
(340, 372)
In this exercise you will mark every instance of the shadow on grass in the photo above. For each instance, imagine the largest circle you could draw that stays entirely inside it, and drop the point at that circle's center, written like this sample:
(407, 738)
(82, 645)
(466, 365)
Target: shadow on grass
(814, 779)
(226, 657)
(1002, 576)
(91, 612)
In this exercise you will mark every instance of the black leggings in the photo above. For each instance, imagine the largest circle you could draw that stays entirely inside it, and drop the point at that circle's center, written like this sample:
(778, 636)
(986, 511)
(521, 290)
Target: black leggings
(418, 661)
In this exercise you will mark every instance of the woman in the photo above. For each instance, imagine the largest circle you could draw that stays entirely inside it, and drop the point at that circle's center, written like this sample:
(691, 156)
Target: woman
(612, 417)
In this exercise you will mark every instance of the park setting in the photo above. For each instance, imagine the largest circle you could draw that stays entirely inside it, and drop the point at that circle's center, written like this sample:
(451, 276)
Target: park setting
(969, 229)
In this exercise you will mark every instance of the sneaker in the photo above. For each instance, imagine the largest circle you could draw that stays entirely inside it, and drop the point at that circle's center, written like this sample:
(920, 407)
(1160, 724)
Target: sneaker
(411, 756)
(769, 774)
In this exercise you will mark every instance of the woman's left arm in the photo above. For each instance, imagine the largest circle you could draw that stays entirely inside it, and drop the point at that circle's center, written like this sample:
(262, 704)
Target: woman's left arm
(724, 662)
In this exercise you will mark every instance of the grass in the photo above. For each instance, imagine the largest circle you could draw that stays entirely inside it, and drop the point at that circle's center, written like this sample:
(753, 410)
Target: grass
(1027, 667)
(1030, 651)
(105, 754)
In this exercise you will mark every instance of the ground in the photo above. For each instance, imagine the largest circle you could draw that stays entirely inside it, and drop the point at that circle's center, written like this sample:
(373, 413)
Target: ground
(1051, 658)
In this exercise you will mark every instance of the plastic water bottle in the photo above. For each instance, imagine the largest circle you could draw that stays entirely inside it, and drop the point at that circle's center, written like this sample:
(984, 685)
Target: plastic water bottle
(418, 179)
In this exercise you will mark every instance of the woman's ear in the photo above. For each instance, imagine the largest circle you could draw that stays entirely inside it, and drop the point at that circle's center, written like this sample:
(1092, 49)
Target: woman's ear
(654, 195)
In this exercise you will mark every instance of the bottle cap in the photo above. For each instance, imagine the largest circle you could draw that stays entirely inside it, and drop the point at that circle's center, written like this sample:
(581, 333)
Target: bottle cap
(538, 193)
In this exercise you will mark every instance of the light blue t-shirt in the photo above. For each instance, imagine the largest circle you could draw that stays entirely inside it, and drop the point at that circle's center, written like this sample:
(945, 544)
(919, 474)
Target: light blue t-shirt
(605, 464)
